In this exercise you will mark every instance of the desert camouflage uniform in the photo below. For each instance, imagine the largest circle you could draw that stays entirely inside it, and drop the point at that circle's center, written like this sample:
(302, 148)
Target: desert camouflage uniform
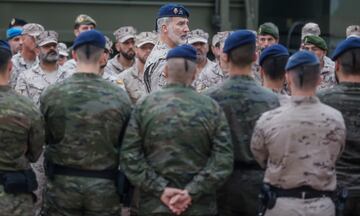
(327, 74)
(211, 75)
(134, 84)
(345, 98)
(154, 67)
(85, 116)
(160, 149)
(243, 101)
(298, 144)
(22, 139)
(20, 65)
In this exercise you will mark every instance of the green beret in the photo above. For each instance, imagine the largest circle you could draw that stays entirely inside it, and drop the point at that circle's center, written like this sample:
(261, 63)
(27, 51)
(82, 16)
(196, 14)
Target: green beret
(315, 40)
(269, 29)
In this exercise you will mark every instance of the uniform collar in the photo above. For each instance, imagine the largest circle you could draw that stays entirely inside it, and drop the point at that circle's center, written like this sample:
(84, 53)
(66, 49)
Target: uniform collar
(298, 100)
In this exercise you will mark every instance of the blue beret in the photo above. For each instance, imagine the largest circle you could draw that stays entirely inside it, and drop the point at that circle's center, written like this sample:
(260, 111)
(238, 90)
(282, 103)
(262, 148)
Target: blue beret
(13, 32)
(5, 45)
(274, 50)
(92, 37)
(301, 58)
(184, 51)
(343, 46)
(173, 10)
(239, 38)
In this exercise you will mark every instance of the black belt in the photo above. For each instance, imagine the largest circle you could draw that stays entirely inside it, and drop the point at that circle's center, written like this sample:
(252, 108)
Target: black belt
(69, 171)
(238, 165)
(304, 192)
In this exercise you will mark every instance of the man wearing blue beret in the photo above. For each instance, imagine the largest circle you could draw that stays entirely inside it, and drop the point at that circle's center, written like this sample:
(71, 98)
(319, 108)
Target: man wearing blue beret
(272, 61)
(172, 27)
(22, 140)
(85, 117)
(177, 148)
(345, 97)
(13, 36)
(298, 144)
(243, 101)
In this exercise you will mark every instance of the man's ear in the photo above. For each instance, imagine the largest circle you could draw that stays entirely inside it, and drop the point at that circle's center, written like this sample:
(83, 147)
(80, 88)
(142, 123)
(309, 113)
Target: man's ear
(288, 79)
(262, 73)
(166, 71)
(76, 32)
(74, 55)
(10, 67)
(164, 28)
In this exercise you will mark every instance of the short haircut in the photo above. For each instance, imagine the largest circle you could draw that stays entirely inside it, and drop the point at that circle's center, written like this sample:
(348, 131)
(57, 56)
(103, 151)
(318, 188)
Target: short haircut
(274, 67)
(305, 77)
(88, 53)
(181, 70)
(350, 62)
(242, 56)
(162, 21)
(5, 58)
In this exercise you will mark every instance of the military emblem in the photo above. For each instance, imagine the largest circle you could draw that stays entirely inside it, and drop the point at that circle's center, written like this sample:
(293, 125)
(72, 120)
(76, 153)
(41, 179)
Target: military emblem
(120, 82)
(13, 21)
(176, 11)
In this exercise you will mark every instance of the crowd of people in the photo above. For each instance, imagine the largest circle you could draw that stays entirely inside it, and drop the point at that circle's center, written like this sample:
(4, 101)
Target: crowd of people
(160, 129)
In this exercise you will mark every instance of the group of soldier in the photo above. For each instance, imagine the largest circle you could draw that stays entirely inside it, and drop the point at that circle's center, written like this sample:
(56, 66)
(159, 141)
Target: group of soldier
(160, 129)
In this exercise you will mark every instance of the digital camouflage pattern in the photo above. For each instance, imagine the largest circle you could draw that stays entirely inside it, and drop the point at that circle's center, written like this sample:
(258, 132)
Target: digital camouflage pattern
(85, 115)
(154, 67)
(114, 67)
(134, 84)
(299, 144)
(160, 149)
(210, 75)
(20, 65)
(327, 74)
(243, 101)
(345, 98)
(70, 67)
(22, 139)
(32, 82)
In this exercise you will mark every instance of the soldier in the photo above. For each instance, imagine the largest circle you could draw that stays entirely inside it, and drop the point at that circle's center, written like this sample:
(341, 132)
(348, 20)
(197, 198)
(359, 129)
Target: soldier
(172, 26)
(83, 23)
(345, 98)
(310, 29)
(32, 82)
(133, 77)
(125, 46)
(161, 155)
(199, 40)
(267, 35)
(317, 45)
(27, 58)
(243, 101)
(272, 61)
(13, 36)
(22, 137)
(353, 31)
(85, 116)
(108, 51)
(298, 144)
(63, 54)
(215, 47)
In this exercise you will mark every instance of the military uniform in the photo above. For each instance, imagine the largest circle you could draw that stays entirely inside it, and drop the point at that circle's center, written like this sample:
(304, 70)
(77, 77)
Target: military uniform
(299, 143)
(22, 139)
(134, 84)
(70, 66)
(327, 74)
(157, 151)
(20, 65)
(243, 101)
(210, 75)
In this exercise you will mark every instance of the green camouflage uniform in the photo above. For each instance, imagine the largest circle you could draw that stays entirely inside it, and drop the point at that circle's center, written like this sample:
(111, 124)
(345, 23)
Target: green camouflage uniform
(84, 115)
(345, 98)
(22, 138)
(177, 138)
(243, 101)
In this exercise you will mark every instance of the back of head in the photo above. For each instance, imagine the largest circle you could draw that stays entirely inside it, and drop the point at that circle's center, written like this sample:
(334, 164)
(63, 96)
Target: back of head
(347, 53)
(89, 46)
(273, 60)
(240, 47)
(5, 56)
(304, 70)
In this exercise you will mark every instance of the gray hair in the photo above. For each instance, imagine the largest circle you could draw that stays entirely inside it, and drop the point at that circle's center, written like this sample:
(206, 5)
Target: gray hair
(162, 21)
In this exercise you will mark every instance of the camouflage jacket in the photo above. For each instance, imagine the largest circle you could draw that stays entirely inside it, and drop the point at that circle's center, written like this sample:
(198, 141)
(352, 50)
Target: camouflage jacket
(243, 101)
(32, 82)
(20, 65)
(70, 66)
(85, 116)
(21, 131)
(345, 98)
(210, 75)
(299, 143)
(134, 84)
(154, 67)
(327, 74)
(160, 149)
(113, 67)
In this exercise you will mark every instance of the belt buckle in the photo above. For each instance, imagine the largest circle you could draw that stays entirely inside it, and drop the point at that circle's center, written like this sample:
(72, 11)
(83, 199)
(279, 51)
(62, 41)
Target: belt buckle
(303, 195)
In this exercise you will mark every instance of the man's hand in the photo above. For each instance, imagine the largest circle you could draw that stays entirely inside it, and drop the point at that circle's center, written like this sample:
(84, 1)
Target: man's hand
(176, 200)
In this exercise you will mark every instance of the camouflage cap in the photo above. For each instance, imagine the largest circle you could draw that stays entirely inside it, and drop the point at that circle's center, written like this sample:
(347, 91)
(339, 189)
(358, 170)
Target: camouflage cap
(62, 49)
(269, 28)
(144, 38)
(310, 29)
(124, 33)
(108, 44)
(353, 31)
(315, 40)
(47, 37)
(219, 37)
(33, 29)
(198, 35)
(84, 19)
